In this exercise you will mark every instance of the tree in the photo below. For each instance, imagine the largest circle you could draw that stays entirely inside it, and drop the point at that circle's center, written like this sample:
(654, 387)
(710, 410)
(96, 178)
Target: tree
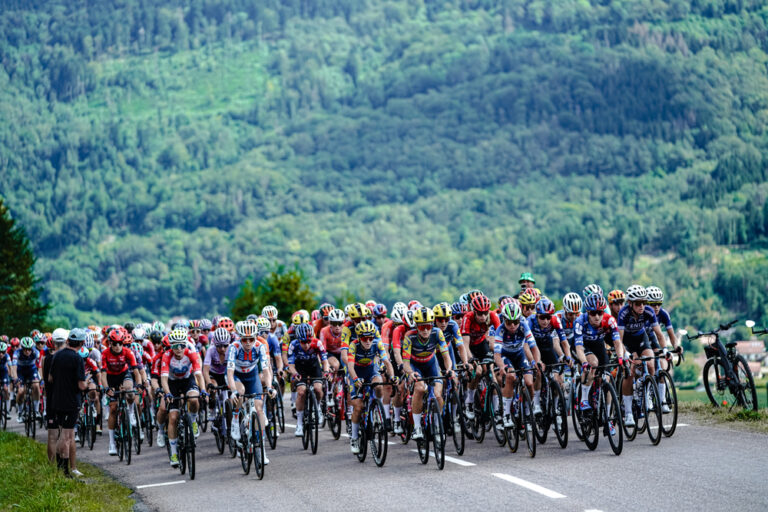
(21, 308)
(286, 290)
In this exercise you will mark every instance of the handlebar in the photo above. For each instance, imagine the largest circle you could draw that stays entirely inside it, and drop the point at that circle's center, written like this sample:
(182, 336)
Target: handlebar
(759, 331)
(716, 332)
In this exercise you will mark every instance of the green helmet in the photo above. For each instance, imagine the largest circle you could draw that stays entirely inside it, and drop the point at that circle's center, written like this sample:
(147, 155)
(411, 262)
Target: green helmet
(511, 311)
(526, 276)
(27, 342)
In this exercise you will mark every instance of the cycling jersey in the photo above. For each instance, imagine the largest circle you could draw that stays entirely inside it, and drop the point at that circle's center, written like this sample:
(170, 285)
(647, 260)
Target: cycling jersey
(362, 357)
(149, 348)
(664, 319)
(452, 334)
(476, 331)
(507, 343)
(116, 364)
(333, 344)
(566, 326)
(180, 368)
(635, 326)
(397, 336)
(422, 351)
(91, 367)
(318, 326)
(543, 336)
(95, 355)
(584, 333)
(218, 365)
(28, 361)
(386, 331)
(245, 361)
(297, 353)
(157, 363)
(280, 329)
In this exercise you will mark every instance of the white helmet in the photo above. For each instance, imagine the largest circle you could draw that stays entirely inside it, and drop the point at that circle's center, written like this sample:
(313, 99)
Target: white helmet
(269, 312)
(655, 294)
(572, 303)
(139, 334)
(591, 289)
(336, 315)
(60, 335)
(246, 328)
(408, 319)
(636, 292)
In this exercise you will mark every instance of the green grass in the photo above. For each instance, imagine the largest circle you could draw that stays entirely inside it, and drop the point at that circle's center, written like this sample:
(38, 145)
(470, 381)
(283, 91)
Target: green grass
(28, 482)
(691, 395)
(755, 421)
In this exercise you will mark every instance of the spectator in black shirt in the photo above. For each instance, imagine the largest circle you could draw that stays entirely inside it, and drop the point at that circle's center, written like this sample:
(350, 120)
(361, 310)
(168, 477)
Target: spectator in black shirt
(67, 381)
(59, 340)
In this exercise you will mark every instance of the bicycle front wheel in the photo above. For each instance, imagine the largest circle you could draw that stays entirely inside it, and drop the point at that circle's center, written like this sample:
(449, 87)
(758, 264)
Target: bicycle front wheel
(190, 448)
(541, 421)
(559, 413)
(379, 434)
(611, 412)
(718, 391)
(271, 428)
(314, 421)
(438, 434)
(456, 421)
(244, 447)
(495, 409)
(527, 425)
(652, 405)
(670, 399)
(575, 411)
(257, 445)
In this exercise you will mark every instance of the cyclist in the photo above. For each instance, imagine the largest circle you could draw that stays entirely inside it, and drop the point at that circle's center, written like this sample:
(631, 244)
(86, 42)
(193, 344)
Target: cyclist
(274, 348)
(143, 361)
(451, 333)
(379, 312)
(320, 323)
(278, 327)
(116, 362)
(402, 321)
(363, 369)
(5, 363)
(572, 304)
(475, 328)
(514, 347)
(419, 360)
(25, 372)
(544, 325)
(528, 299)
(616, 299)
(303, 354)
(655, 301)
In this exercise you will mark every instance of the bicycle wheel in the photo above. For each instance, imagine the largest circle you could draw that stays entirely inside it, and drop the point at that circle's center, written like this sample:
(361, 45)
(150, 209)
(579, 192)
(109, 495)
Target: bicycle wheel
(32, 422)
(91, 431)
(314, 421)
(477, 425)
(190, 447)
(630, 431)
(119, 435)
(148, 422)
(81, 428)
(3, 413)
(136, 436)
(670, 399)
(362, 437)
(257, 445)
(747, 383)
(652, 405)
(127, 439)
(406, 420)
(202, 418)
(181, 445)
(306, 426)
(271, 429)
(715, 384)
(437, 433)
(455, 419)
(379, 435)
(244, 447)
(495, 410)
(219, 428)
(611, 413)
(527, 425)
(575, 411)
(541, 421)
(513, 433)
(422, 446)
(589, 424)
(280, 411)
(559, 413)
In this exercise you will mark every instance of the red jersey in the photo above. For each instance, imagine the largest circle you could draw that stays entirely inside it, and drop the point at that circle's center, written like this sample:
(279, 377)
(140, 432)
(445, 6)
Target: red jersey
(91, 366)
(115, 364)
(476, 331)
(157, 361)
(318, 327)
(333, 344)
(398, 333)
(386, 331)
(179, 369)
(149, 348)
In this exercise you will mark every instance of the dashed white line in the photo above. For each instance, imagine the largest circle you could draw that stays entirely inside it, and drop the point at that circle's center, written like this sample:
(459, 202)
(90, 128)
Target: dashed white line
(160, 484)
(668, 426)
(388, 442)
(290, 426)
(529, 485)
(451, 459)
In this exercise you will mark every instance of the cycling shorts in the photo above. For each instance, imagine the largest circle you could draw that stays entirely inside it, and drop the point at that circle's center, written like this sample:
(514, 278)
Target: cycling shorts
(220, 379)
(636, 344)
(27, 374)
(116, 381)
(481, 350)
(251, 382)
(517, 360)
(309, 369)
(181, 387)
(367, 373)
(597, 348)
(548, 355)
(428, 369)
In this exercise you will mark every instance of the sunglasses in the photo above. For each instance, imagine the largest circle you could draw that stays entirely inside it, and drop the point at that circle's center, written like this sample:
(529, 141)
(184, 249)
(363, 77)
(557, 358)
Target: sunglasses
(596, 313)
(247, 339)
(545, 317)
(176, 346)
(423, 326)
(638, 303)
(620, 302)
(117, 343)
(481, 313)
(458, 317)
(337, 324)
(366, 338)
(529, 308)
(512, 322)
(654, 303)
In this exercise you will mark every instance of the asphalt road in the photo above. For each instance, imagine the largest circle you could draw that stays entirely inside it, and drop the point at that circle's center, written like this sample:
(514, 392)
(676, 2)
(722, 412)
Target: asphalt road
(700, 467)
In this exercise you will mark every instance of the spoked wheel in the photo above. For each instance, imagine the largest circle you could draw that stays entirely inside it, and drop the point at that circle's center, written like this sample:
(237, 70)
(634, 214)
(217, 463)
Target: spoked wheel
(203, 416)
(527, 425)
(280, 411)
(257, 445)
(422, 446)
(437, 433)
(362, 439)
(190, 448)
(576, 415)
(715, 384)
(406, 420)
(81, 429)
(181, 446)
(652, 405)
(334, 421)
(231, 443)
(541, 421)
(669, 419)
(136, 435)
(379, 435)
(611, 412)
(219, 429)
(314, 421)
(496, 406)
(513, 433)
(456, 420)
(559, 412)
(127, 439)
(91, 430)
(477, 425)
(747, 383)
(149, 421)
(245, 449)
(3, 413)
(271, 429)
(630, 431)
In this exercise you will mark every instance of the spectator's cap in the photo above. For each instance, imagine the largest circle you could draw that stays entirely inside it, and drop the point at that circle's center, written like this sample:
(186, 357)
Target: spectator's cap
(526, 276)
(77, 336)
(60, 335)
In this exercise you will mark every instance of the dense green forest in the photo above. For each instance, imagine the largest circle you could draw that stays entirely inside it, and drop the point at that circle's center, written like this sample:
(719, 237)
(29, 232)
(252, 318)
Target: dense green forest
(159, 153)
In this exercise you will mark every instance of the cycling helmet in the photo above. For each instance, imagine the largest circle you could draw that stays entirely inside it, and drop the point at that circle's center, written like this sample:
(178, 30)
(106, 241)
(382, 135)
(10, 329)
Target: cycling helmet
(177, 336)
(471, 294)
(158, 326)
(396, 316)
(4, 338)
(370, 304)
(506, 300)
(400, 306)
(595, 302)
(351, 311)
(572, 302)
(205, 324)
(137, 348)
(315, 315)
(364, 311)
(336, 315)
(303, 332)
(379, 310)
(116, 336)
(442, 310)
(616, 295)
(60, 335)
(221, 337)
(183, 323)
(262, 325)
(655, 294)
(129, 326)
(590, 289)
(481, 303)
(27, 342)
(226, 323)
(408, 319)
(156, 336)
(269, 312)
(503, 298)
(15, 342)
(89, 340)
(527, 298)
(83, 352)
(246, 328)
(464, 300)
(366, 328)
(300, 317)
(636, 293)
(3, 347)
(166, 342)
(139, 334)
(413, 305)
(457, 308)
(325, 308)
(252, 317)
(511, 311)
(545, 307)
(423, 316)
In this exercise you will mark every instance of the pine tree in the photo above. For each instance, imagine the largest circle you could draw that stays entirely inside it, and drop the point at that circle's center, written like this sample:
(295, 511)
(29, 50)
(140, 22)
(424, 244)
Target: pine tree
(21, 308)
(286, 290)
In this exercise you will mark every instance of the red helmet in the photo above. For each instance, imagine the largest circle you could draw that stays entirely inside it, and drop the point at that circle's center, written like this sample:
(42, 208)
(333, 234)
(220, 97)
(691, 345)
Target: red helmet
(166, 342)
(227, 324)
(116, 335)
(315, 315)
(15, 342)
(481, 303)
(49, 343)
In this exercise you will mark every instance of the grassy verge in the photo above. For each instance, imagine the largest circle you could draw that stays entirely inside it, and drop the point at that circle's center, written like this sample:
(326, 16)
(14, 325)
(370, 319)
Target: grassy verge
(29, 482)
(753, 421)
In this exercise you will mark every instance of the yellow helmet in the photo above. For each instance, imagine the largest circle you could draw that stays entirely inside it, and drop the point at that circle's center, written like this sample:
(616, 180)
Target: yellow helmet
(529, 297)
(366, 328)
(423, 316)
(364, 311)
(300, 317)
(351, 311)
(442, 310)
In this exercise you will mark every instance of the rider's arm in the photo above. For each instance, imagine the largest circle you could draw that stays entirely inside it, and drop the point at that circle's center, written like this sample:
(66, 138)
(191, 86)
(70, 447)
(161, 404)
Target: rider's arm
(164, 384)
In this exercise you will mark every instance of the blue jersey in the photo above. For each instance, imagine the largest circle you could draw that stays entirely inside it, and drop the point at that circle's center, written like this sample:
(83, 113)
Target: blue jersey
(297, 353)
(245, 361)
(565, 325)
(543, 336)
(5, 362)
(275, 348)
(583, 332)
(22, 361)
(664, 319)
(635, 326)
(452, 333)
(507, 343)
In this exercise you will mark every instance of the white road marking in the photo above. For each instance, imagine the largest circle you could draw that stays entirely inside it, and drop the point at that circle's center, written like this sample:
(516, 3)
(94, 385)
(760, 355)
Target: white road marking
(529, 485)
(451, 459)
(388, 442)
(668, 426)
(592, 510)
(160, 484)
(289, 425)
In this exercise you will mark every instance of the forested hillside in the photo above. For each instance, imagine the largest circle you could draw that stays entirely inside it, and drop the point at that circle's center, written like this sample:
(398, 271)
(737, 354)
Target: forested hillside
(159, 152)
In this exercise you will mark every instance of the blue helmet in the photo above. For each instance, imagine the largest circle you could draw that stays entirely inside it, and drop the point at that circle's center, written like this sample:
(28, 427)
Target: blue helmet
(595, 302)
(303, 332)
(457, 308)
(545, 307)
